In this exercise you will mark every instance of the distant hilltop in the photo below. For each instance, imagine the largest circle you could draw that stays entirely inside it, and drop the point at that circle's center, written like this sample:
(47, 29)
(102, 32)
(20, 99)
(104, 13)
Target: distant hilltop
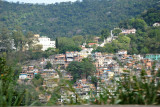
(88, 17)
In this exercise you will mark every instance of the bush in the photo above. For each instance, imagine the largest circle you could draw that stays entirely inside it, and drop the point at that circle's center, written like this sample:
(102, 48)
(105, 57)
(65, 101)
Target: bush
(132, 90)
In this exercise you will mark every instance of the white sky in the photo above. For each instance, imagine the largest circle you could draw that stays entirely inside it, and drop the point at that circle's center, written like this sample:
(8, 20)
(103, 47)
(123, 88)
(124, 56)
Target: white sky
(41, 1)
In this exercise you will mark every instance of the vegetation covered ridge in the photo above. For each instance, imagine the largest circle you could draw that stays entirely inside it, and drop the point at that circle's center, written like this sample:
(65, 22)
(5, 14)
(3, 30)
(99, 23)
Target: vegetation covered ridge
(68, 19)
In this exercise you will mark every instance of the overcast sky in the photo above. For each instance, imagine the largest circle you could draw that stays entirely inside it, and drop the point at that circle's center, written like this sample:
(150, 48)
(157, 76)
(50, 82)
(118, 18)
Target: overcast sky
(40, 1)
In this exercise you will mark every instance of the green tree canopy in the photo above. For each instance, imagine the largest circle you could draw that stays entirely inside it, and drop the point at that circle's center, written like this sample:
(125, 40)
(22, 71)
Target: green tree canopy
(88, 17)
(116, 32)
(105, 33)
(79, 69)
(49, 65)
(66, 44)
(76, 69)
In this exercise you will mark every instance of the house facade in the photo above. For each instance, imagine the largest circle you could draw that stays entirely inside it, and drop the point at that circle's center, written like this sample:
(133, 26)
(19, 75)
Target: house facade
(153, 56)
(45, 42)
(128, 31)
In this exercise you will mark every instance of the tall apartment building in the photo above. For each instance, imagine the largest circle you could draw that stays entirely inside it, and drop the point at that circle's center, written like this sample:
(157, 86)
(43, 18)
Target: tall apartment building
(45, 42)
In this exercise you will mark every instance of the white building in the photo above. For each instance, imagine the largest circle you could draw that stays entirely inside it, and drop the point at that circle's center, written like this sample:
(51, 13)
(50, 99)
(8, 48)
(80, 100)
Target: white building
(85, 52)
(46, 43)
(128, 31)
(23, 76)
(156, 24)
(122, 52)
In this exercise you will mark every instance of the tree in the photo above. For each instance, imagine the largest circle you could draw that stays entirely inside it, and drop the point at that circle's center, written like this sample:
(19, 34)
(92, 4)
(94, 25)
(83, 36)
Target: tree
(123, 42)
(49, 65)
(79, 69)
(94, 80)
(49, 52)
(105, 33)
(125, 24)
(19, 40)
(57, 43)
(109, 48)
(37, 76)
(79, 18)
(65, 87)
(6, 42)
(116, 32)
(138, 24)
(88, 67)
(78, 39)
(67, 44)
(9, 96)
(76, 69)
(152, 16)
(158, 73)
(144, 50)
(100, 49)
(37, 81)
(31, 96)
(37, 48)
(30, 39)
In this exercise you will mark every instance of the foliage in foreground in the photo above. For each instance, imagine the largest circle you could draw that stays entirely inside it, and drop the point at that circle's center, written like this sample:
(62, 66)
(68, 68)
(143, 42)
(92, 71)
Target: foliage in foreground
(8, 95)
(128, 90)
(132, 90)
(11, 93)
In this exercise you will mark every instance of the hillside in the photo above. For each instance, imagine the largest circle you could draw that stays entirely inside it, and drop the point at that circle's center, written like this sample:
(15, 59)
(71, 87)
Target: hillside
(145, 40)
(67, 19)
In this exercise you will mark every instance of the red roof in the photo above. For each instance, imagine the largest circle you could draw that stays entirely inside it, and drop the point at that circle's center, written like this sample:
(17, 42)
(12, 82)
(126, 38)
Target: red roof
(92, 43)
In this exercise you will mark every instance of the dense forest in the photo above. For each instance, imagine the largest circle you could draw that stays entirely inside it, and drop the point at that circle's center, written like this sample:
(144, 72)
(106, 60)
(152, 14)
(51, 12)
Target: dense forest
(87, 17)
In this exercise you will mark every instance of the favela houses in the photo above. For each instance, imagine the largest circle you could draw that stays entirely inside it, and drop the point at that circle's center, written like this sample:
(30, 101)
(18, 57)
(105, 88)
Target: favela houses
(79, 53)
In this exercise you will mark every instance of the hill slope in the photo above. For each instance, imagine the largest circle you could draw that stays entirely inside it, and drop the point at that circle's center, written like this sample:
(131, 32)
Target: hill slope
(146, 39)
(68, 19)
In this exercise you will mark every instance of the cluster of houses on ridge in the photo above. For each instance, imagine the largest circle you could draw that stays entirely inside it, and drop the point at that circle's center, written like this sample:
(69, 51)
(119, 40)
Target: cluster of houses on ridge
(108, 67)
